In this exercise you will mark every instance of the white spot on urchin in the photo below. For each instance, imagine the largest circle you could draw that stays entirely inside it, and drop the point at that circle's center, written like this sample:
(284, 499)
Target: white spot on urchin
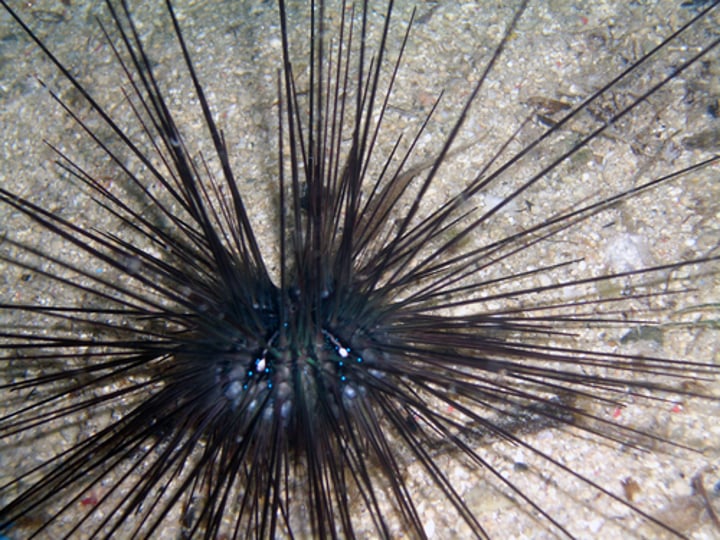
(285, 410)
(627, 252)
(233, 390)
(349, 392)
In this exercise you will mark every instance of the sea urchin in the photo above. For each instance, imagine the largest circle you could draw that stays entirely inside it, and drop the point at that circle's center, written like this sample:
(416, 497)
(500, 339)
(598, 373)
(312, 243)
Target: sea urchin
(421, 309)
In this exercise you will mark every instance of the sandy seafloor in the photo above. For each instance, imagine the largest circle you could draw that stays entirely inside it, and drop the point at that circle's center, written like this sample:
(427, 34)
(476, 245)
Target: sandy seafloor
(560, 51)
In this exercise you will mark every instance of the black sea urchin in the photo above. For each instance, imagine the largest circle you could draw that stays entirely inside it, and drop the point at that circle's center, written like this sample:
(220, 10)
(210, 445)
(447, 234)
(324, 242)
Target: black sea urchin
(490, 325)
